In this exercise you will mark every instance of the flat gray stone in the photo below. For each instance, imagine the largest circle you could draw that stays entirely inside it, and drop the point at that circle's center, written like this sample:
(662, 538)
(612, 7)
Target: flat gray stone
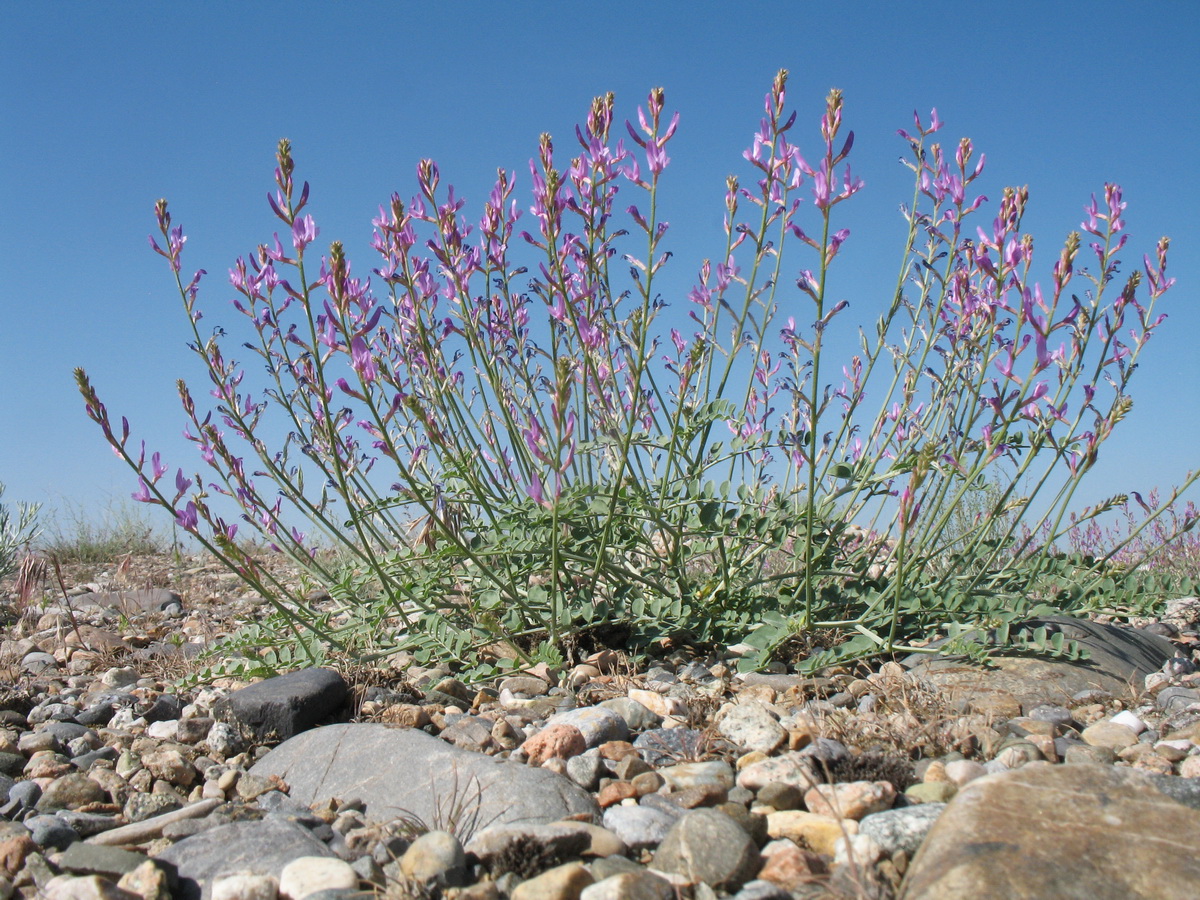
(262, 848)
(286, 705)
(401, 771)
(94, 859)
(137, 601)
(1120, 660)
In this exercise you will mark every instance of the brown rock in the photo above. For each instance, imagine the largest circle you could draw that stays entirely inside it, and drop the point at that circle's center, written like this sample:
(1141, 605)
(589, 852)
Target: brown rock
(617, 750)
(851, 800)
(560, 741)
(409, 715)
(564, 882)
(788, 866)
(13, 851)
(614, 792)
(1046, 831)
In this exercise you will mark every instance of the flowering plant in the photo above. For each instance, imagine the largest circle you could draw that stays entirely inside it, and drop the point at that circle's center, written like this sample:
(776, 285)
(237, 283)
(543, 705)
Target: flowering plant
(509, 453)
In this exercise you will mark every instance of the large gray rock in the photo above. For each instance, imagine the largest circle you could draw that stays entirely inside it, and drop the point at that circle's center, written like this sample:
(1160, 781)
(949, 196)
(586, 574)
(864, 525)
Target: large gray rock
(402, 771)
(262, 848)
(286, 705)
(1078, 831)
(1120, 659)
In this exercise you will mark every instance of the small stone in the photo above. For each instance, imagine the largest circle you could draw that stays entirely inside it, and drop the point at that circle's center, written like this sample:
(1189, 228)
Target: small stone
(1086, 753)
(245, 886)
(1111, 735)
(901, 830)
(147, 881)
(51, 832)
(91, 887)
(597, 724)
(170, 765)
(13, 851)
(795, 768)
(436, 857)
(707, 847)
(780, 796)
(659, 704)
(470, 733)
(525, 684)
(92, 859)
(939, 792)
(809, 830)
(615, 792)
(750, 724)
(71, 792)
(140, 807)
(640, 827)
(647, 783)
(1190, 767)
(850, 800)
(637, 717)
(1128, 719)
(564, 882)
(586, 770)
(561, 741)
(789, 867)
(714, 773)
(309, 874)
(641, 885)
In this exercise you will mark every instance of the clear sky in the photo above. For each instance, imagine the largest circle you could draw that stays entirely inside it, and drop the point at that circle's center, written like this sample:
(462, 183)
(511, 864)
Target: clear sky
(105, 107)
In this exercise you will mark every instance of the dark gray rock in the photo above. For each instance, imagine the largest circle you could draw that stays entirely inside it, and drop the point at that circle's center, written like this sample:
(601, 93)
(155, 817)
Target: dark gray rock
(402, 770)
(263, 848)
(287, 705)
(11, 763)
(165, 708)
(51, 832)
(1120, 659)
(1182, 790)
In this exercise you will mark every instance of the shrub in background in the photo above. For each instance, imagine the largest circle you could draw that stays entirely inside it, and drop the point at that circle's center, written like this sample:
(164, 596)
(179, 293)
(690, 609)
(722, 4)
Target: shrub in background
(509, 448)
(16, 534)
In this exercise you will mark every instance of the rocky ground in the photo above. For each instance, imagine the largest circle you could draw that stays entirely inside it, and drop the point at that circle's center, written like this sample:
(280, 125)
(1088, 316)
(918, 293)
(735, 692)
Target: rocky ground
(930, 779)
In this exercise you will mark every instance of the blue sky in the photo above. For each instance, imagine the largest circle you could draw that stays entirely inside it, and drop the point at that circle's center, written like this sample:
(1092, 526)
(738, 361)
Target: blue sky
(106, 107)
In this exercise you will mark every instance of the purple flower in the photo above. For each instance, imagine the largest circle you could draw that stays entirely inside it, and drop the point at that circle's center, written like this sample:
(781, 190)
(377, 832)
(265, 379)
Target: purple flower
(181, 485)
(361, 360)
(142, 495)
(187, 517)
(304, 232)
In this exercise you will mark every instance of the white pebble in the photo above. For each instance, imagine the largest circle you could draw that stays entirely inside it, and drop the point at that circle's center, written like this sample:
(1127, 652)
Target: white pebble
(245, 886)
(310, 874)
(1129, 720)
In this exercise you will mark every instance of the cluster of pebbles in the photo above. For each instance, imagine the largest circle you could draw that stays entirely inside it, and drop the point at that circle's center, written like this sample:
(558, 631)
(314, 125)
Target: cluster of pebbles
(680, 779)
